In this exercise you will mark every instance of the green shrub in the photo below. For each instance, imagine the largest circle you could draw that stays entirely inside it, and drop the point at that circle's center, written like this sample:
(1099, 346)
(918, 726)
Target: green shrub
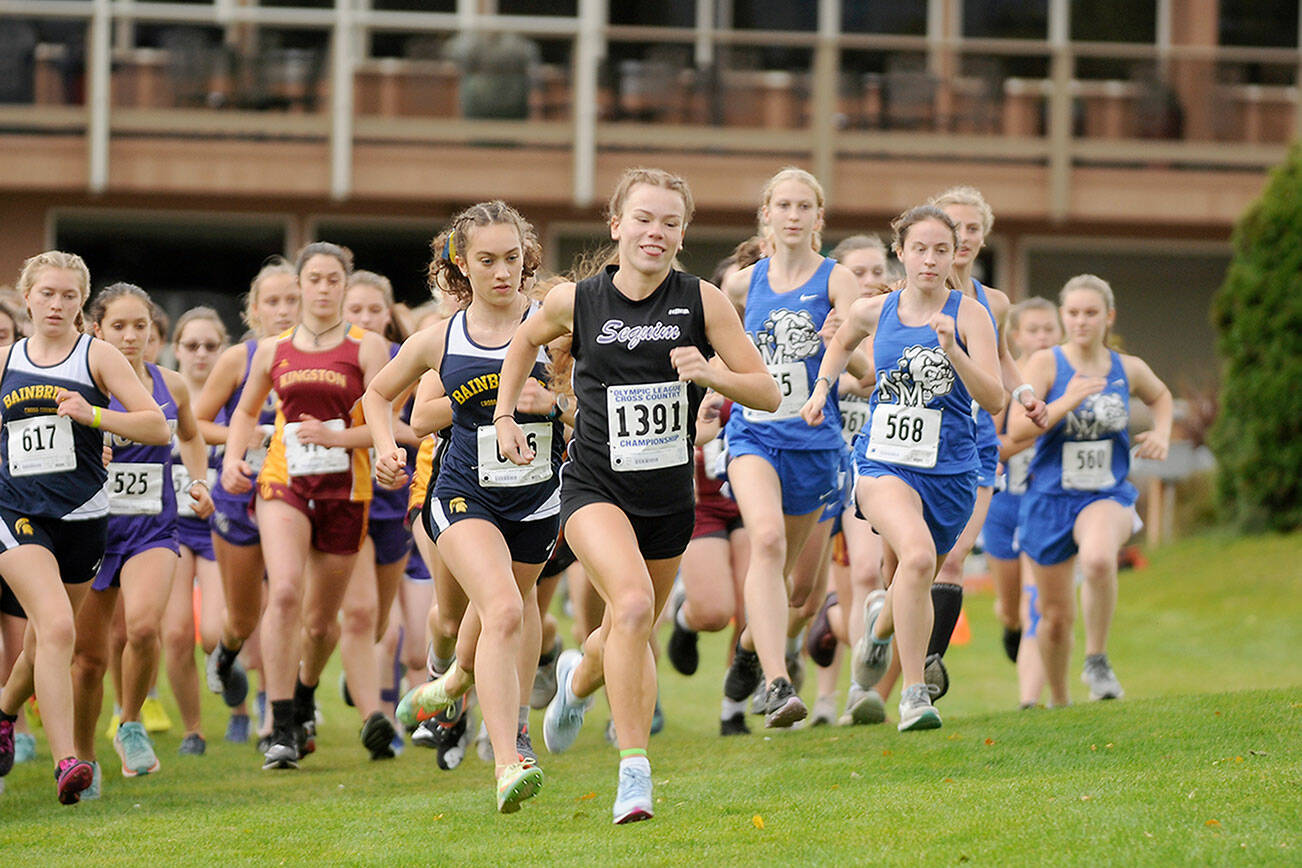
(1257, 312)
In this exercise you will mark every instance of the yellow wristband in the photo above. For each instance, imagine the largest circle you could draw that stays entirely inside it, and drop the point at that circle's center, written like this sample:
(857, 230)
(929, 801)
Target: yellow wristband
(94, 417)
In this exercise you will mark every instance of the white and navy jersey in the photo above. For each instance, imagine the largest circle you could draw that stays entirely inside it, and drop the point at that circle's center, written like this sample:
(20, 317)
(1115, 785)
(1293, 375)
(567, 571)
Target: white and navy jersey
(472, 466)
(636, 421)
(50, 465)
(784, 327)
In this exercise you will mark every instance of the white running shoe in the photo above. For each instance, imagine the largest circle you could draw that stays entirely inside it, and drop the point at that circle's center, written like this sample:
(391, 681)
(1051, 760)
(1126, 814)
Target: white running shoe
(863, 706)
(1100, 678)
(564, 719)
(871, 656)
(633, 798)
(916, 710)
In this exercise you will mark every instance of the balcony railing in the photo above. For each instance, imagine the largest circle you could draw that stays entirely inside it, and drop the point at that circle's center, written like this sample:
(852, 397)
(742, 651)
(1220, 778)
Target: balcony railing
(615, 87)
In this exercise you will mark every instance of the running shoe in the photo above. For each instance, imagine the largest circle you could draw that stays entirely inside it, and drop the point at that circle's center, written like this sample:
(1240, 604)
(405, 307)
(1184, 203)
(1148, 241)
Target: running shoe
(735, 725)
(343, 690)
(7, 749)
(863, 706)
(935, 676)
(820, 641)
(743, 676)
(237, 728)
(824, 713)
(524, 745)
(424, 734)
(232, 683)
(24, 747)
(683, 653)
(453, 741)
(916, 710)
(193, 745)
(92, 792)
(305, 738)
(759, 697)
(71, 777)
(563, 719)
(377, 736)
(425, 702)
(1100, 678)
(633, 798)
(154, 716)
(1012, 642)
(784, 705)
(397, 745)
(282, 753)
(796, 670)
(871, 656)
(517, 782)
(136, 750)
(544, 680)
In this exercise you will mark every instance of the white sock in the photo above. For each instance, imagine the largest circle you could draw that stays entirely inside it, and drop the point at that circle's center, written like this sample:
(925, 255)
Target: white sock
(570, 697)
(681, 619)
(731, 708)
(635, 762)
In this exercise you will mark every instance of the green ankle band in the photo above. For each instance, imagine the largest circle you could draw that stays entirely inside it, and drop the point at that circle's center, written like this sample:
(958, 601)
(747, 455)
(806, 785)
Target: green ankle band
(632, 751)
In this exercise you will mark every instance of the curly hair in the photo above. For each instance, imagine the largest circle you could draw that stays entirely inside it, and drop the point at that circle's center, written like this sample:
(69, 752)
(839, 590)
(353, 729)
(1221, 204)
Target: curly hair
(453, 243)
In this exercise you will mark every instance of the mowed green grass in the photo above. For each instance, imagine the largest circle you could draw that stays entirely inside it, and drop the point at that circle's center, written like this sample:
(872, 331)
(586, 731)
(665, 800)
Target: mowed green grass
(1198, 765)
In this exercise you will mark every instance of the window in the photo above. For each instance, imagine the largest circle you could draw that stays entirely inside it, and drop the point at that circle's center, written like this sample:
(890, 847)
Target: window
(399, 251)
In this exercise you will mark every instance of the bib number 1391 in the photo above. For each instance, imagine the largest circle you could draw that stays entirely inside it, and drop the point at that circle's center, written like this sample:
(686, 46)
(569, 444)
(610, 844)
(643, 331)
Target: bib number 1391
(647, 426)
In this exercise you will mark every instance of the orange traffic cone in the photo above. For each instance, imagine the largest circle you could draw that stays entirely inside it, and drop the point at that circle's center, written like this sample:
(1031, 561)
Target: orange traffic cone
(962, 630)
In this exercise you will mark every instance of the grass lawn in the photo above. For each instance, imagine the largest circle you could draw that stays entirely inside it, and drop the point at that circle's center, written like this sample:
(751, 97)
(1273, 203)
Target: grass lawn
(1198, 765)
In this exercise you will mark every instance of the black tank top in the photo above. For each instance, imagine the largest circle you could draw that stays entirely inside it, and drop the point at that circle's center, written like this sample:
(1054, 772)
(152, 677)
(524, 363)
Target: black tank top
(636, 422)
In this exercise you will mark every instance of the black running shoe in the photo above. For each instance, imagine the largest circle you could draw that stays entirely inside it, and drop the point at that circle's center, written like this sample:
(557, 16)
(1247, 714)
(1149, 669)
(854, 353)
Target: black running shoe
(377, 735)
(524, 746)
(451, 738)
(936, 676)
(425, 735)
(735, 725)
(283, 752)
(784, 706)
(683, 653)
(743, 676)
(305, 738)
(1012, 642)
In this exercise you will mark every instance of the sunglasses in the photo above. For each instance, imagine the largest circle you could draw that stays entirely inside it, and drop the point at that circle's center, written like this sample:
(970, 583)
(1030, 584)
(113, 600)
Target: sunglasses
(195, 346)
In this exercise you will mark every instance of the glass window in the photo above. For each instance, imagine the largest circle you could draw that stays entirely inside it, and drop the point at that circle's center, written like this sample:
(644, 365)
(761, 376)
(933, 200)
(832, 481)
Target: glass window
(905, 17)
(1271, 23)
(1006, 19)
(1114, 20)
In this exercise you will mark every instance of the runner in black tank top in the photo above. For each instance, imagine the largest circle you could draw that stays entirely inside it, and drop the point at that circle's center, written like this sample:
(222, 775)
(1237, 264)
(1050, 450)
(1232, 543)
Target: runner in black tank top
(640, 334)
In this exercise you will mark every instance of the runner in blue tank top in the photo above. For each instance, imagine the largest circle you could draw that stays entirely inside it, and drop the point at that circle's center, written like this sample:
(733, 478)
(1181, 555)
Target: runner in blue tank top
(141, 552)
(494, 523)
(974, 218)
(783, 473)
(934, 351)
(1078, 499)
(271, 307)
(641, 332)
(56, 387)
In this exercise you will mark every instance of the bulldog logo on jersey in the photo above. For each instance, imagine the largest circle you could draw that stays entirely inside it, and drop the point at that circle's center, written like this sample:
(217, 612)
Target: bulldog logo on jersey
(1096, 417)
(788, 336)
(924, 373)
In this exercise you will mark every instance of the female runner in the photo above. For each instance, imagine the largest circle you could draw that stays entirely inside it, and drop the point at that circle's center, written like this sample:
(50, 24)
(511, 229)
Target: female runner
(641, 332)
(313, 492)
(1078, 501)
(933, 351)
(54, 505)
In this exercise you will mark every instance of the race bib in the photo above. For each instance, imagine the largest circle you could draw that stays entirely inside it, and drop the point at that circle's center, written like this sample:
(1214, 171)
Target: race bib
(713, 458)
(311, 459)
(647, 425)
(181, 485)
(793, 383)
(904, 435)
(854, 418)
(41, 444)
(1087, 465)
(497, 471)
(1017, 469)
(135, 488)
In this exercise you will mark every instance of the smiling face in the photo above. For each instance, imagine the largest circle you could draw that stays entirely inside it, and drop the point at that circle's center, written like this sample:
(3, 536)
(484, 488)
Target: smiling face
(792, 213)
(197, 348)
(927, 251)
(1086, 317)
(649, 228)
(365, 305)
(126, 324)
(971, 232)
(868, 264)
(322, 281)
(278, 304)
(54, 299)
(493, 263)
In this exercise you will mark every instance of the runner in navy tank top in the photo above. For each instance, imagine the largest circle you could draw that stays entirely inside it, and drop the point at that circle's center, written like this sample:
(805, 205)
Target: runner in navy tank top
(934, 351)
(783, 473)
(1078, 500)
(271, 307)
(56, 385)
(494, 523)
(140, 556)
(641, 332)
